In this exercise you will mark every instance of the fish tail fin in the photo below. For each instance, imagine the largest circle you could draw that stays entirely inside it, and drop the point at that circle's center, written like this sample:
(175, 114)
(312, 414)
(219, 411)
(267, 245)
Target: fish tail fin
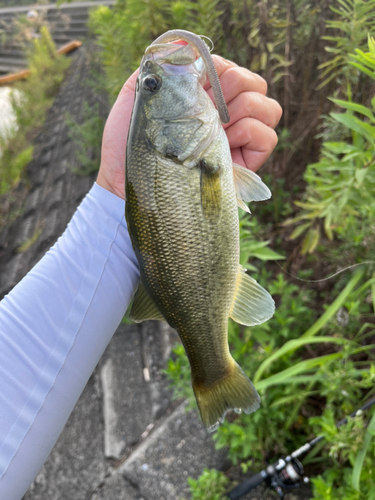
(235, 392)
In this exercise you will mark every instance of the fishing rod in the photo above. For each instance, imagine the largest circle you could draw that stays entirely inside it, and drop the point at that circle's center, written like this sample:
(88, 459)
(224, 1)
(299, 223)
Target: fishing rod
(287, 473)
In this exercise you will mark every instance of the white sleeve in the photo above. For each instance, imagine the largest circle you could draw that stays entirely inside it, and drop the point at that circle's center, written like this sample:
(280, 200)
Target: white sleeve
(54, 326)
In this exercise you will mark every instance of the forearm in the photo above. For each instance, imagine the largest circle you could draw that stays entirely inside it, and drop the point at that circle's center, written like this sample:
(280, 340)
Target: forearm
(54, 326)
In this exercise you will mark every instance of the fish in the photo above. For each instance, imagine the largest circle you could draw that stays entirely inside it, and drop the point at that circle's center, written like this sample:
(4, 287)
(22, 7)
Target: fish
(182, 195)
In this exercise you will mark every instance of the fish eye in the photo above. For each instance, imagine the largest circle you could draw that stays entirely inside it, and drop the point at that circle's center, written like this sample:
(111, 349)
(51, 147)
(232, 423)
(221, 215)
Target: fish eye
(151, 83)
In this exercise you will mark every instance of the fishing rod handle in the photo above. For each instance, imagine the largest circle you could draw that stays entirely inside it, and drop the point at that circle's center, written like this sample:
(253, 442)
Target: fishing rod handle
(248, 485)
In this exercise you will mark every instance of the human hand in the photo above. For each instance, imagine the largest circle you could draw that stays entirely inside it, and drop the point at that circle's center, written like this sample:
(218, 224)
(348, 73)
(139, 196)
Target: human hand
(111, 174)
(253, 116)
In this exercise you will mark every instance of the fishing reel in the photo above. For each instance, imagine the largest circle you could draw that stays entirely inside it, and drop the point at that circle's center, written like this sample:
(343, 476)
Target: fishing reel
(288, 477)
(286, 474)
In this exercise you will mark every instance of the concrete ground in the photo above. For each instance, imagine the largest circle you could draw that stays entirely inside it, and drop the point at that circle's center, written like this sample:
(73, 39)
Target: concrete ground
(127, 439)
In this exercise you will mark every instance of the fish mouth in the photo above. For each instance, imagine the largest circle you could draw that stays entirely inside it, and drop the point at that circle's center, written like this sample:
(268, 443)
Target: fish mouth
(203, 50)
(174, 60)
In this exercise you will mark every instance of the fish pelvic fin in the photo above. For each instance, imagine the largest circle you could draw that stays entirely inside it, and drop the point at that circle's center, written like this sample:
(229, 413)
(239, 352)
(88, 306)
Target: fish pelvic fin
(234, 392)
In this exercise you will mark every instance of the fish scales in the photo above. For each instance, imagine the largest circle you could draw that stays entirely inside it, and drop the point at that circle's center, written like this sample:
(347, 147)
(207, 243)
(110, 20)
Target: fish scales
(181, 210)
(188, 275)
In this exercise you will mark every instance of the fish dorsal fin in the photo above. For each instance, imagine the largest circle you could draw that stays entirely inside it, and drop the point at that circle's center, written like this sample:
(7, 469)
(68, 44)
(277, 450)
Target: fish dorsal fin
(249, 186)
(143, 307)
(252, 304)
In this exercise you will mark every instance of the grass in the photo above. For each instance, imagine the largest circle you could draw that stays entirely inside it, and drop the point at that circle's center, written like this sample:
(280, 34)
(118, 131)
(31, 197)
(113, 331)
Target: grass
(30, 106)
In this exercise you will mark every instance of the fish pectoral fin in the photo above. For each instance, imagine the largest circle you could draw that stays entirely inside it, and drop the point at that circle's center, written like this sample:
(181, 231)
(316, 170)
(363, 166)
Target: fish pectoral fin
(252, 304)
(210, 190)
(249, 186)
(144, 307)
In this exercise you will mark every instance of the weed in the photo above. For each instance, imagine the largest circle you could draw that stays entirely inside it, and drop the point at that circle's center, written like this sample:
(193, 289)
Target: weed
(351, 448)
(339, 196)
(211, 485)
(125, 31)
(12, 165)
(87, 136)
(28, 243)
(30, 105)
(355, 18)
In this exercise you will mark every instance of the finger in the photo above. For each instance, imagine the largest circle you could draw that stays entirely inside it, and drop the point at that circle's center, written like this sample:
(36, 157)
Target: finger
(254, 159)
(117, 125)
(129, 85)
(254, 105)
(121, 111)
(255, 140)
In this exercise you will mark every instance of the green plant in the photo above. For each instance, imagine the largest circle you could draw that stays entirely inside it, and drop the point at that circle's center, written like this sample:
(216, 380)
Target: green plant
(269, 33)
(28, 243)
(341, 185)
(88, 137)
(252, 246)
(123, 34)
(179, 374)
(12, 165)
(211, 485)
(30, 104)
(365, 61)
(355, 18)
(125, 31)
(351, 449)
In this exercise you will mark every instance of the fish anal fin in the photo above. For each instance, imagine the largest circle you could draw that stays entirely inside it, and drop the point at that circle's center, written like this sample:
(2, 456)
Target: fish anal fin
(233, 392)
(252, 304)
(210, 190)
(144, 307)
(248, 185)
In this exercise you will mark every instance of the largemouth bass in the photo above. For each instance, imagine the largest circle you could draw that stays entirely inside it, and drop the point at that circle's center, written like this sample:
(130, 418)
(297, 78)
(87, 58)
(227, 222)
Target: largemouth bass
(182, 193)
